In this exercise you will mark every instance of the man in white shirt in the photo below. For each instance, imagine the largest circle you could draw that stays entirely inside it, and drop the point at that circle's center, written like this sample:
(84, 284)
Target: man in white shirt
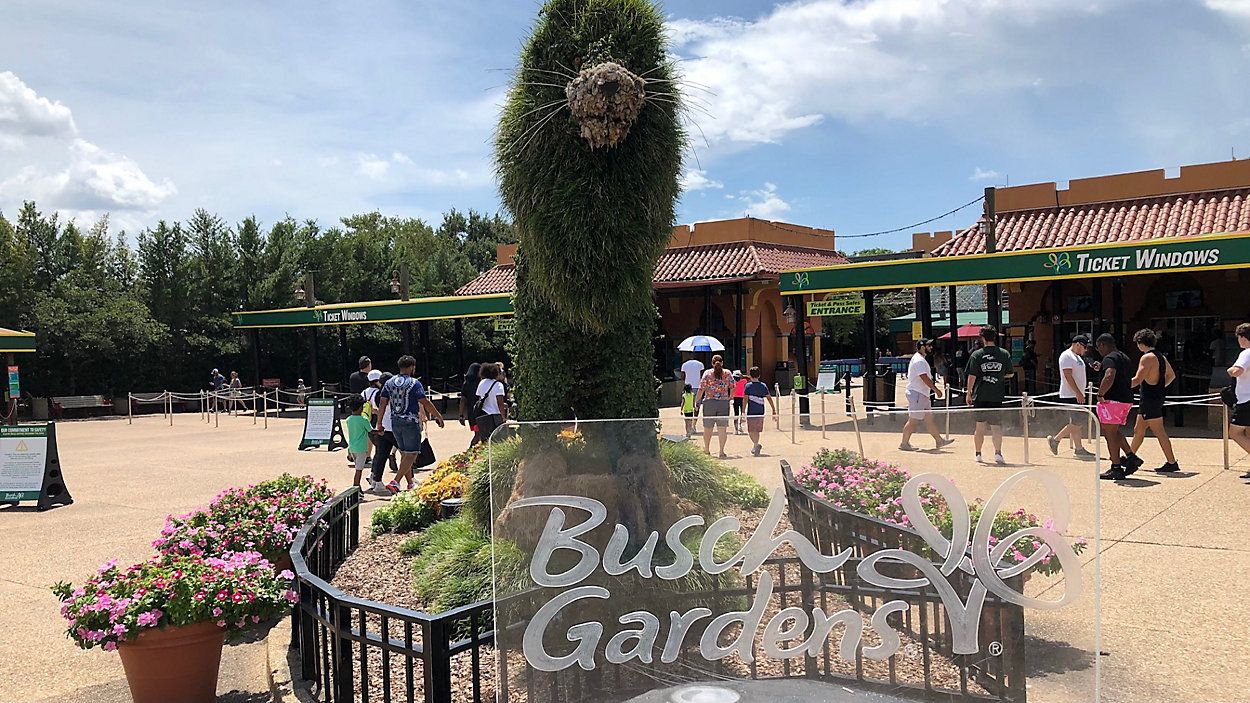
(692, 371)
(1072, 380)
(1239, 421)
(919, 405)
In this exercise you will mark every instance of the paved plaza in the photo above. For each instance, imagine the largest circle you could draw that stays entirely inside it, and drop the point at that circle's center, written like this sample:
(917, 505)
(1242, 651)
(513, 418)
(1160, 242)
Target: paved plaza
(1174, 555)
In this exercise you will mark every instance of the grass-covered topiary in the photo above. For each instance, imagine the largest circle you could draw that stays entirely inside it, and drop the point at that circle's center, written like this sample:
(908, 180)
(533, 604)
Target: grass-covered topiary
(452, 563)
(712, 484)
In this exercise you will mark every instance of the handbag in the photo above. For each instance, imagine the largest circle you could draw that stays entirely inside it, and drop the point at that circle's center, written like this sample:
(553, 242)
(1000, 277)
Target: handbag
(481, 400)
(1229, 394)
(426, 457)
(1112, 412)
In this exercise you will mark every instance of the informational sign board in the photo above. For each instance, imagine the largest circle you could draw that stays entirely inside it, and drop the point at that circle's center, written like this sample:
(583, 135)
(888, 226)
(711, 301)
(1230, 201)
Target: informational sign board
(322, 427)
(30, 467)
(834, 307)
(505, 324)
(827, 379)
(271, 383)
(917, 329)
(15, 387)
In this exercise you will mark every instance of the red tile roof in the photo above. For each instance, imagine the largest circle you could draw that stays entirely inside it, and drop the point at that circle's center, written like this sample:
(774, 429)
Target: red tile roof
(1185, 215)
(697, 265)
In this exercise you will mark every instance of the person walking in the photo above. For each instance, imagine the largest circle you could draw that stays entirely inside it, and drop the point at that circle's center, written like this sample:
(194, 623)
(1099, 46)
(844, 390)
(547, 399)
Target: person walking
(236, 392)
(1072, 379)
(692, 371)
(988, 370)
(1239, 421)
(715, 391)
(919, 403)
(1028, 364)
(405, 396)
(740, 384)
(1154, 375)
(492, 393)
(359, 381)
(755, 392)
(1115, 386)
(381, 438)
(468, 392)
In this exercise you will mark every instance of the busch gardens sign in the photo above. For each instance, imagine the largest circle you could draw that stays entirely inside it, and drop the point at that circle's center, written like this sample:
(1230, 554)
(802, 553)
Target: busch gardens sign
(1205, 253)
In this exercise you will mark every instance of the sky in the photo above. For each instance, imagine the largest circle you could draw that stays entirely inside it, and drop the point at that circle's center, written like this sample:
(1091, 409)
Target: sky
(857, 116)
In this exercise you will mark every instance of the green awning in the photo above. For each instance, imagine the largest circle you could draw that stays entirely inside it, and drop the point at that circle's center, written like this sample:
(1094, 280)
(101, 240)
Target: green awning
(1210, 252)
(902, 323)
(14, 341)
(442, 308)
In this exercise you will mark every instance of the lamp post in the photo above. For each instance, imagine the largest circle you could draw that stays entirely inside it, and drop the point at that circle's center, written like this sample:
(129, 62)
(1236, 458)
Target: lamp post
(305, 292)
(399, 287)
(993, 301)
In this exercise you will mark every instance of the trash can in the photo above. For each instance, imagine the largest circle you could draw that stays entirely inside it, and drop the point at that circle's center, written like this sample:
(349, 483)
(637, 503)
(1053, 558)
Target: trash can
(39, 408)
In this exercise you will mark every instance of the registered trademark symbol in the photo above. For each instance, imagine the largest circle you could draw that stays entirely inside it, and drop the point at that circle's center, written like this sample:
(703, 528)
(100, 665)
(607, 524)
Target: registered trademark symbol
(996, 648)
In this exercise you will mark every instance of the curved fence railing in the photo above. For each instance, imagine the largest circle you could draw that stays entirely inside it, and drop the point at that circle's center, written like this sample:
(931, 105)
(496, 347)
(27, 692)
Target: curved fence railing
(1002, 673)
(355, 649)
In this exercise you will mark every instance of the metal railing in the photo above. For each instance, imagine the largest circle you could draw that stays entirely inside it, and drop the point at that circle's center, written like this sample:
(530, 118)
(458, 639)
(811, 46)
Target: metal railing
(350, 647)
(1001, 672)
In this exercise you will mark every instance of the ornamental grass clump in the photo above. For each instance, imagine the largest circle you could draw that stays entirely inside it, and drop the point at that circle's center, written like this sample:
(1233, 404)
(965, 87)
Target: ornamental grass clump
(233, 590)
(263, 517)
(874, 488)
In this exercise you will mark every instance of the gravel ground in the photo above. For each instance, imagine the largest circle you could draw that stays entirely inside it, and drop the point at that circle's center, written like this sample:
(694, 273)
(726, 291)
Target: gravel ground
(378, 571)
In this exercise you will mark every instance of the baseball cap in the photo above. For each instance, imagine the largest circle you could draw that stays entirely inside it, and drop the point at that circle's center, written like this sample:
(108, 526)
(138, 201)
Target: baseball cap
(1081, 339)
(375, 375)
(737, 373)
(923, 342)
(215, 371)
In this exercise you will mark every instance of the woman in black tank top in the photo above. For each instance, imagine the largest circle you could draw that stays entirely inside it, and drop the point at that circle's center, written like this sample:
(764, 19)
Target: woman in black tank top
(1153, 395)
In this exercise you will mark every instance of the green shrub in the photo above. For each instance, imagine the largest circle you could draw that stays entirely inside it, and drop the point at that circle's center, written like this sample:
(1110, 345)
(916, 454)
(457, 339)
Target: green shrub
(405, 513)
(711, 483)
(452, 564)
(500, 460)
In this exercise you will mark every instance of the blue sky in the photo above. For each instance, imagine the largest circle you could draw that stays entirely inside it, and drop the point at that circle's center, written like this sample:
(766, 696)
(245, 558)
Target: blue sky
(856, 116)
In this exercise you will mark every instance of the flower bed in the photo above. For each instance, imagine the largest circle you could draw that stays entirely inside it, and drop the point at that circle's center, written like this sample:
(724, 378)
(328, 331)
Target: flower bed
(263, 517)
(235, 590)
(875, 488)
(418, 509)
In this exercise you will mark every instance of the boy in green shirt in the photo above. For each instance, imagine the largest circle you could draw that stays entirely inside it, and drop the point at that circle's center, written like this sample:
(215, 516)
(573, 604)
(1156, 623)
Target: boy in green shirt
(988, 369)
(687, 408)
(357, 435)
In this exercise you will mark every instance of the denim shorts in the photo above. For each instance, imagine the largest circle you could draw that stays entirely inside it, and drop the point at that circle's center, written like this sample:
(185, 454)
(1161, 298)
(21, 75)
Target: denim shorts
(407, 435)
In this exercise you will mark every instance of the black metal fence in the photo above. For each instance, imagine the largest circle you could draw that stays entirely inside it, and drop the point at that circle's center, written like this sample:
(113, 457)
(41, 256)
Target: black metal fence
(999, 667)
(354, 649)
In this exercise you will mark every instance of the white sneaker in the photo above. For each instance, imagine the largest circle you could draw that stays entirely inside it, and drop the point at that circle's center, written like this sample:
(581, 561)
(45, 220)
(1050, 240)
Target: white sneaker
(998, 458)
(979, 459)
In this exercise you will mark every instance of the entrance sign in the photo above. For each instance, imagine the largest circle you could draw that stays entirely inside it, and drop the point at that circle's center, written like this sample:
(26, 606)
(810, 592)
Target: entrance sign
(612, 578)
(30, 467)
(322, 427)
(1173, 254)
(505, 324)
(834, 307)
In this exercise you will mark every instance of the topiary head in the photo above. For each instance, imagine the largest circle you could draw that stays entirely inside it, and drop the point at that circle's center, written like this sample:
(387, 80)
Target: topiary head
(589, 152)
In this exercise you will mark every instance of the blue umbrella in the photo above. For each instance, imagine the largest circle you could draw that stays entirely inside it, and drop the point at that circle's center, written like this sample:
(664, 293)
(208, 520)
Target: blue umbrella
(700, 343)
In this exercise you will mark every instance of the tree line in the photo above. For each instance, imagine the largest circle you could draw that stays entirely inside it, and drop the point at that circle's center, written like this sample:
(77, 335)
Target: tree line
(116, 314)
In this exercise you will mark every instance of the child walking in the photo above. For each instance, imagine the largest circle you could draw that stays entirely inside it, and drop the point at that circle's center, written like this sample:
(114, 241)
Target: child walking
(357, 436)
(687, 408)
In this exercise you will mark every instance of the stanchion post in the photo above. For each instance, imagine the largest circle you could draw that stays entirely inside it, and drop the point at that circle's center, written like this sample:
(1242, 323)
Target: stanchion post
(217, 413)
(859, 439)
(949, 392)
(1089, 418)
(822, 413)
(794, 418)
(1024, 424)
(1224, 408)
(169, 400)
(130, 409)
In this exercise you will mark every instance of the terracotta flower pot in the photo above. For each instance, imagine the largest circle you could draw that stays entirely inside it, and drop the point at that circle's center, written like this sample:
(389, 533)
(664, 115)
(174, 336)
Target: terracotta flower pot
(281, 562)
(176, 664)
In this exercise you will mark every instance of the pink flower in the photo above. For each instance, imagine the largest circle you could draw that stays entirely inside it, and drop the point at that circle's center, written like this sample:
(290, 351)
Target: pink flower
(110, 646)
(286, 574)
(217, 612)
(291, 596)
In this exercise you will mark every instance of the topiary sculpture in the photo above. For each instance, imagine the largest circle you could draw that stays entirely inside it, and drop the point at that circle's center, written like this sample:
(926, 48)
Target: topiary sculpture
(588, 153)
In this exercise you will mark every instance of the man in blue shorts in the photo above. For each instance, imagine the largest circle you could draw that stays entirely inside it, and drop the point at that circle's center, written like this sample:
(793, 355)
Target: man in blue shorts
(406, 397)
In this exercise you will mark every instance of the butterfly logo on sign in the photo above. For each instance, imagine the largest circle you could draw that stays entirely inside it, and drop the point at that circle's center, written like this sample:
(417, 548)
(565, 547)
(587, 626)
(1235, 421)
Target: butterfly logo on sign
(801, 279)
(1058, 263)
(969, 551)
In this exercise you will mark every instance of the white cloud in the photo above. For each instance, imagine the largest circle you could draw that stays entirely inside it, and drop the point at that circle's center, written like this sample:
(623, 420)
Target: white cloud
(370, 166)
(855, 61)
(1240, 8)
(24, 113)
(696, 179)
(764, 203)
(400, 170)
(980, 174)
(94, 179)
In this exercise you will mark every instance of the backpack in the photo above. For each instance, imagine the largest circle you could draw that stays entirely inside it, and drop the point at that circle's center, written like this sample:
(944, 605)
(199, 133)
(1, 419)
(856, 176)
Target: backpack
(481, 400)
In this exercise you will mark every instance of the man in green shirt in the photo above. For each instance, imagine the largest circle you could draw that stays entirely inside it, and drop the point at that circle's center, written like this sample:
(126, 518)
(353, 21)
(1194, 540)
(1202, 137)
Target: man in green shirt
(988, 369)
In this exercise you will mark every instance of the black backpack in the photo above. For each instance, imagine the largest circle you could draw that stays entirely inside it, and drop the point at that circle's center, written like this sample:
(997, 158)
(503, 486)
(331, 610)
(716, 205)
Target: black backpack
(481, 400)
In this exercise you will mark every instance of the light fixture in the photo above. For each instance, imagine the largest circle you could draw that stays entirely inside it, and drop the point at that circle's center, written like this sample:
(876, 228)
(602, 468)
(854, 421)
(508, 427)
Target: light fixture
(395, 285)
(984, 226)
(790, 314)
(300, 294)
